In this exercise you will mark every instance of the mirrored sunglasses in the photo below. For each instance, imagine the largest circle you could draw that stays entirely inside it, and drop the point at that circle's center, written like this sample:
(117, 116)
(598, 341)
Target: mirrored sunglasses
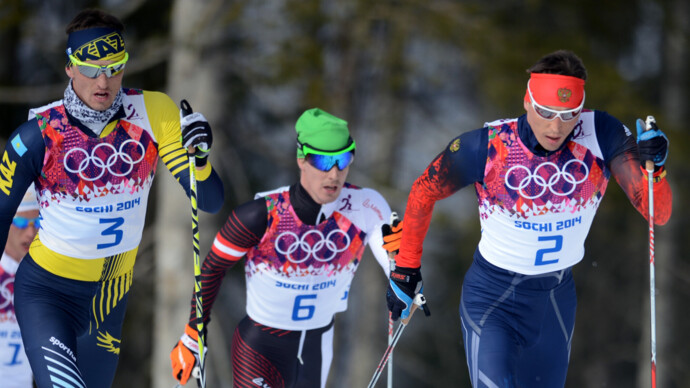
(94, 71)
(327, 162)
(23, 222)
(551, 114)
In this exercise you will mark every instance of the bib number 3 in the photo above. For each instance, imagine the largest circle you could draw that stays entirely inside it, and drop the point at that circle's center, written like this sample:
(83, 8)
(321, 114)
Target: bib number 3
(113, 230)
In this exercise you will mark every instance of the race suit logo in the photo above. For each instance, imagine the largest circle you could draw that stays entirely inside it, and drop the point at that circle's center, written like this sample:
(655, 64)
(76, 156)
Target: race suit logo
(7, 173)
(110, 343)
(547, 176)
(312, 244)
(105, 157)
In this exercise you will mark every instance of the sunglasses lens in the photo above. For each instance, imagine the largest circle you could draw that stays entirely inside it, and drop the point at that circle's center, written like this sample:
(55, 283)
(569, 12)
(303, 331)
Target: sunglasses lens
(88, 71)
(567, 116)
(20, 222)
(326, 162)
(94, 72)
(23, 222)
(547, 114)
(115, 70)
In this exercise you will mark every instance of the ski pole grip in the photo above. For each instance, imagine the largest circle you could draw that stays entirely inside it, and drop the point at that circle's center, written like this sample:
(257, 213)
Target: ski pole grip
(418, 301)
(391, 255)
(185, 108)
(649, 124)
(412, 310)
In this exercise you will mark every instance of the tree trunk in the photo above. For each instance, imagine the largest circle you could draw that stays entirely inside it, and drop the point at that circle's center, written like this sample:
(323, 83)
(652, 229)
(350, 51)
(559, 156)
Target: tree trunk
(193, 75)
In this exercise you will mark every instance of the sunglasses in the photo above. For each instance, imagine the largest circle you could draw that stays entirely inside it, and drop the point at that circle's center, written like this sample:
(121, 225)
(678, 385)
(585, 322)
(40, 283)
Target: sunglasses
(94, 71)
(326, 160)
(550, 114)
(23, 222)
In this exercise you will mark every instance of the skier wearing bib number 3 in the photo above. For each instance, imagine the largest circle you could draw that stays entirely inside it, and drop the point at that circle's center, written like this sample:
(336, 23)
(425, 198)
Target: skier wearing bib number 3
(539, 180)
(92, 157)
(302, 244)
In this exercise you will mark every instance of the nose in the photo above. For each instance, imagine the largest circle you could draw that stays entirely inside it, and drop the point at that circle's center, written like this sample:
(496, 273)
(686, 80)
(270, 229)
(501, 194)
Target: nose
(102, 81)
(333, 172)
(557, 125)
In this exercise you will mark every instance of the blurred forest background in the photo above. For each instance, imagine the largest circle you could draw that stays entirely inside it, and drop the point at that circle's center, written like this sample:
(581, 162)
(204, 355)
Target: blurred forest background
(408, 75)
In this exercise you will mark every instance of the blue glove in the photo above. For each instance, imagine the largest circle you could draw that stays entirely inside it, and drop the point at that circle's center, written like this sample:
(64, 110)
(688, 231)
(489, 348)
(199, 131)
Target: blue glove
(652, 144)
(196, 132)
(404, 284)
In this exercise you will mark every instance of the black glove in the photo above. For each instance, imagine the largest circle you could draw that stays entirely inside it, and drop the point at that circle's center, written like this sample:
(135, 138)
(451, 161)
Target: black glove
(404, 284)
(392, 234)
(652, 144)
(196, 132)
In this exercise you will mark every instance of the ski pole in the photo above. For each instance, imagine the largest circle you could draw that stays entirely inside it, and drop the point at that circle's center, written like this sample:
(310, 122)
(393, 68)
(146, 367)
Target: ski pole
(391, 262)
(419, 301)
(186, 110)
(390, 359)
(649, 166)
(196, 373)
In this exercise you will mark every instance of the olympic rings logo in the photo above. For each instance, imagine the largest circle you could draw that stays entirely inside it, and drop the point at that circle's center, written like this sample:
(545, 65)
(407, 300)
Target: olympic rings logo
(107, 164)
(328, 242)
(6, 294)
(566, 174)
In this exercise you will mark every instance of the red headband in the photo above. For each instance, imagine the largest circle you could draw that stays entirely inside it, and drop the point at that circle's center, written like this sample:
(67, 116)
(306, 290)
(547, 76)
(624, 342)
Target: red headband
(556, 90)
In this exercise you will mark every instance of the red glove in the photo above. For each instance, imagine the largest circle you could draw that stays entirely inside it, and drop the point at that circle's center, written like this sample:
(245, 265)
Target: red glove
(184, 357)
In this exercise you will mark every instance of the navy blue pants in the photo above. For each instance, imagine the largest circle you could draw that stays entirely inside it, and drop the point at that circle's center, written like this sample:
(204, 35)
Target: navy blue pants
(517, 329)
(71, 329)
(263, 356)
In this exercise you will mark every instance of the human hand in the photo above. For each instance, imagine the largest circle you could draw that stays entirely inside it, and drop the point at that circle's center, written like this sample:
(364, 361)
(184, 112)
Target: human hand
(404, 284)
(196, 134)
(392, 234)
(652, 143)
(197, 137)
(184, 357)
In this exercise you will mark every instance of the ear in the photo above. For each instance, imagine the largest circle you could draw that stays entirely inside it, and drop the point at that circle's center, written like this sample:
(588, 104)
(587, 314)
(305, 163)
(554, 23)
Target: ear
(300, 163)
(526, 104)
(69, 70)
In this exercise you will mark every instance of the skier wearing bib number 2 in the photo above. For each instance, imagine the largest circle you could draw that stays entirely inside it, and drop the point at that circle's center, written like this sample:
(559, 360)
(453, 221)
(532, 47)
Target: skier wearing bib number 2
(302, 245)
(539, 180)
(92, 157)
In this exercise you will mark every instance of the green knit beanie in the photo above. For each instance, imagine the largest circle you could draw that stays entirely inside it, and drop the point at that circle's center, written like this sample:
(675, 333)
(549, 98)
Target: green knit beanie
(321, 130)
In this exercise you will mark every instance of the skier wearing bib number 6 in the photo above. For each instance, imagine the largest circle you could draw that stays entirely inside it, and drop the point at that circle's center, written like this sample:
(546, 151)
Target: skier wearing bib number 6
(539, 180)
(302, 244)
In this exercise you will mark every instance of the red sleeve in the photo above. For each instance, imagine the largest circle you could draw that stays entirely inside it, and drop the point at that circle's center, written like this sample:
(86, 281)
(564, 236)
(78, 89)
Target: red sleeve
(433, 185)
(460, 164)
(633, 179)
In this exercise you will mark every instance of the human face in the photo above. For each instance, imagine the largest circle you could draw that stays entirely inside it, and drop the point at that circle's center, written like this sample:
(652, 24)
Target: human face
(549, 133)
(19, 240)
(323, 186)
(97, 93)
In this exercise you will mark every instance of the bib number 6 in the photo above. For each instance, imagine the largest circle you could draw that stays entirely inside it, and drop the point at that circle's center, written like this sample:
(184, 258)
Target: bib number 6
(302, 310)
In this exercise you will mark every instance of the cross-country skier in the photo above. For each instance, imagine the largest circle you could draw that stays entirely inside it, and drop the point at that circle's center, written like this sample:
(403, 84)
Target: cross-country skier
(539, 180)
(302, 244)
(15, 371)
(92, 157)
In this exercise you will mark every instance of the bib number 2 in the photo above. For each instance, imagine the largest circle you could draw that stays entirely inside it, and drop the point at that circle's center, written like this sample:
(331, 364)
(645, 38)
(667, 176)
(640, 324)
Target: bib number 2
(558, 245)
